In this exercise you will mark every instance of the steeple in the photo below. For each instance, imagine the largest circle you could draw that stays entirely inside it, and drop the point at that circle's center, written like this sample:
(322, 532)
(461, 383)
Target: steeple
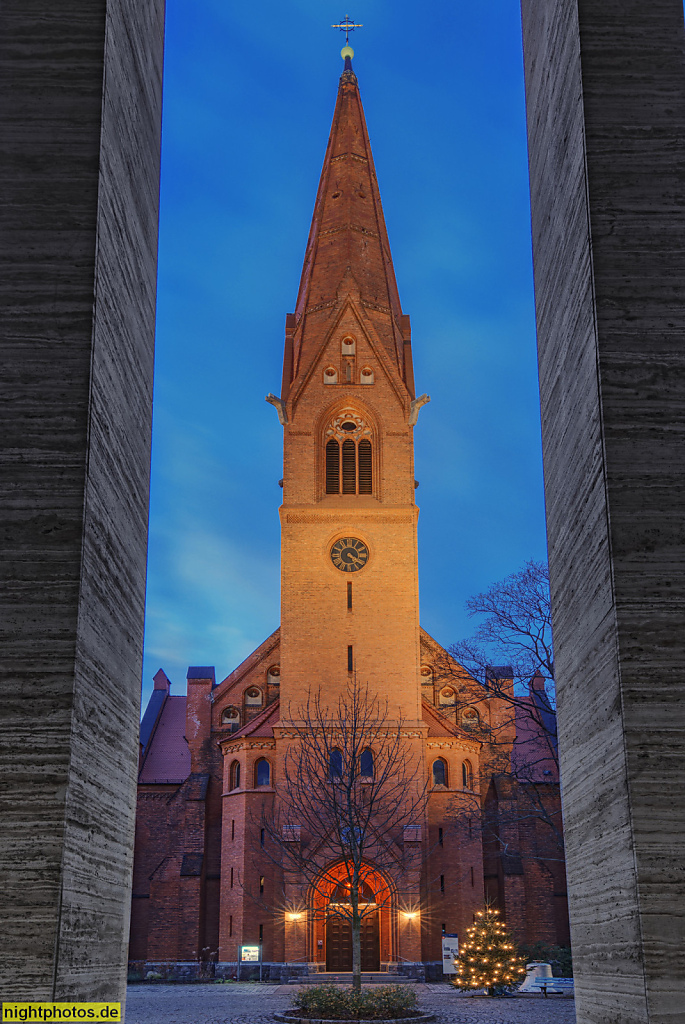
(348, 253)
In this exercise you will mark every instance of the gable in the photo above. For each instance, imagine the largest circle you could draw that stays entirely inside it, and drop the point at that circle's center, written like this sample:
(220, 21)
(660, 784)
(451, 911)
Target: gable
(238, 690)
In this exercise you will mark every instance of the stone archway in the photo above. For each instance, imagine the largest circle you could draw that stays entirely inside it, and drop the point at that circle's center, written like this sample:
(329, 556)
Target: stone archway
(330, 939)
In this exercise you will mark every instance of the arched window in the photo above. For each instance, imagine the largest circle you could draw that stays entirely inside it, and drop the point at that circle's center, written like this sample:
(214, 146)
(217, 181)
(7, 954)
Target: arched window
(439, 773)
(470, 718)
(448, 697)
(231, 716)
(253, 697)
(336, 764)
(332, 467)
(467, 775)
(262, 772)
(366, 764)
(349, 455)
(235, 775)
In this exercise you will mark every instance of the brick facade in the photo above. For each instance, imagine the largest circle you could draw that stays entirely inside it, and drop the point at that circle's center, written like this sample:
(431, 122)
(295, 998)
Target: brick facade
(205, 882)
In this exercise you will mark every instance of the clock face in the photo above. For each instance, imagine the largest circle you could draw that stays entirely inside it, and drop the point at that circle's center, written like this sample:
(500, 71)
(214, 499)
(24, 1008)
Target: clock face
(349, 554)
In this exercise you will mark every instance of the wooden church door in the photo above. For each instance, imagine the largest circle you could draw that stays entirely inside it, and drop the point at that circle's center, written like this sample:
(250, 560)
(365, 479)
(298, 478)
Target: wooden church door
(339, 943)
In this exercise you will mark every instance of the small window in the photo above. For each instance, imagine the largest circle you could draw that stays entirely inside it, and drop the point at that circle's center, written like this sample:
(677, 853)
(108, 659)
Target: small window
(330, 375)
(262, 772)
(426, 675)
(366, 764)
(467, 775)
(439, 773)
(273, 676)
(253, 696)
(261, 889)
(448, 697)
(235, 775)
(470, 718)
(348, 345)
(336, 764)
(366, 376)
(231, 717)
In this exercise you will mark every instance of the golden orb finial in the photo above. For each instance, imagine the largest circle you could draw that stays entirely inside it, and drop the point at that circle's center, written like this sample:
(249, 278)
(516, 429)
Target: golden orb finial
(347, 51)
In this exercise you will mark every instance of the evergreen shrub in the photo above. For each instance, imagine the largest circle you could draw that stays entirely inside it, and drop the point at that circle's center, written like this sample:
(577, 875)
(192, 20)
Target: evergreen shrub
(330, 1002)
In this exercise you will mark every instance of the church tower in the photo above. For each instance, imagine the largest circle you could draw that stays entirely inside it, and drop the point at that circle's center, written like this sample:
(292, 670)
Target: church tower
(210, 878)
(349, 586)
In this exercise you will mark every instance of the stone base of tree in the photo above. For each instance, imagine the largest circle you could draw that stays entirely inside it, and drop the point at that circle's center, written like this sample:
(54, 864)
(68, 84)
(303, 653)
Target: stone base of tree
(289, 1018)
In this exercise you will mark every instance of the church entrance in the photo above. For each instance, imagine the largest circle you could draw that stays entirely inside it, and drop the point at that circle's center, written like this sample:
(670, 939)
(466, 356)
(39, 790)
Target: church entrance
(339, 930)
(339, 942)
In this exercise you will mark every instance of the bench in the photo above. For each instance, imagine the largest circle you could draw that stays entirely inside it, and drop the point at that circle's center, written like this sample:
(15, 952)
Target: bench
(558, 985)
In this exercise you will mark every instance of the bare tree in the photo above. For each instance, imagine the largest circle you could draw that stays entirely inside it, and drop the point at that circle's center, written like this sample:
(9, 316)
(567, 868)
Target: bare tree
(515, 628)
(348, 791)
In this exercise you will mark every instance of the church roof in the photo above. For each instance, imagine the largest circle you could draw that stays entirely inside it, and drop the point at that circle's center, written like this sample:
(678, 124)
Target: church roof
(348, 248)
(168, 757)
(439, 725)
(262, 725)
(154, 709)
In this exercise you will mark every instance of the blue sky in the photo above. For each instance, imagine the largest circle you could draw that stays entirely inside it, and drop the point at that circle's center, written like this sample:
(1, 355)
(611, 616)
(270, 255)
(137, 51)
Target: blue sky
(248, 99)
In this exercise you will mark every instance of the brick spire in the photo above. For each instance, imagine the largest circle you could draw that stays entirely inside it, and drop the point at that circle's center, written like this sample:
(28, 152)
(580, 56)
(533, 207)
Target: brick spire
(348, 253)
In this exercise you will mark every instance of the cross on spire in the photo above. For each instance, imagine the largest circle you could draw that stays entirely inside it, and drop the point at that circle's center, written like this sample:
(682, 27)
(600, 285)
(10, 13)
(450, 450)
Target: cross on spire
(346, 25)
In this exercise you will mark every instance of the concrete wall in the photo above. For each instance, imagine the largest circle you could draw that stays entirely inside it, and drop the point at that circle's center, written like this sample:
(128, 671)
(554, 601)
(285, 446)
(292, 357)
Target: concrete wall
(81, 105)
(605, 86)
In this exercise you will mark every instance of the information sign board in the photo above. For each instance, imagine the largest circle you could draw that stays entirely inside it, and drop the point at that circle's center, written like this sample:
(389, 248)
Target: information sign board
(450, 949)
(249, 954)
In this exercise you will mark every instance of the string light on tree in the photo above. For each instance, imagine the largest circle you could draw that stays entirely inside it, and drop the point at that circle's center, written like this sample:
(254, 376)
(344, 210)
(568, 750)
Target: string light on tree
(488, 958)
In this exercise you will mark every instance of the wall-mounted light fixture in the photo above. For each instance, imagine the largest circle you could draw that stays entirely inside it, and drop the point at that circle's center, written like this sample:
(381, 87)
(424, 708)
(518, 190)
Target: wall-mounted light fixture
(293, 915)
(410, 914)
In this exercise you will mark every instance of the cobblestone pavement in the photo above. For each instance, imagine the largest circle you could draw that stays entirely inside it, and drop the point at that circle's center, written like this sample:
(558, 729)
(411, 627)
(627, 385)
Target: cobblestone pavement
(251, 1003)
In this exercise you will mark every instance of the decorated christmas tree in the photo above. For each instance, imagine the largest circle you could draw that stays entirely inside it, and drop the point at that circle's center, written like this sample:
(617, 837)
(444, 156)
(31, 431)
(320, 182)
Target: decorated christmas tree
(489, 957)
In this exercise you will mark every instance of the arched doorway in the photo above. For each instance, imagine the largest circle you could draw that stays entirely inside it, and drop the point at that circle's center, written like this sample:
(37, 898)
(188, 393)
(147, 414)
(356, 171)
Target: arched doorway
(339, 929)
(329, 941)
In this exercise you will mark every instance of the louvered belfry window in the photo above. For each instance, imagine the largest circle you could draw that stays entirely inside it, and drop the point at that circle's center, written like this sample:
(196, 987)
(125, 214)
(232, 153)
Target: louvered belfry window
(332, 467)
(349, 471)
(349, 468)
(365, 476)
